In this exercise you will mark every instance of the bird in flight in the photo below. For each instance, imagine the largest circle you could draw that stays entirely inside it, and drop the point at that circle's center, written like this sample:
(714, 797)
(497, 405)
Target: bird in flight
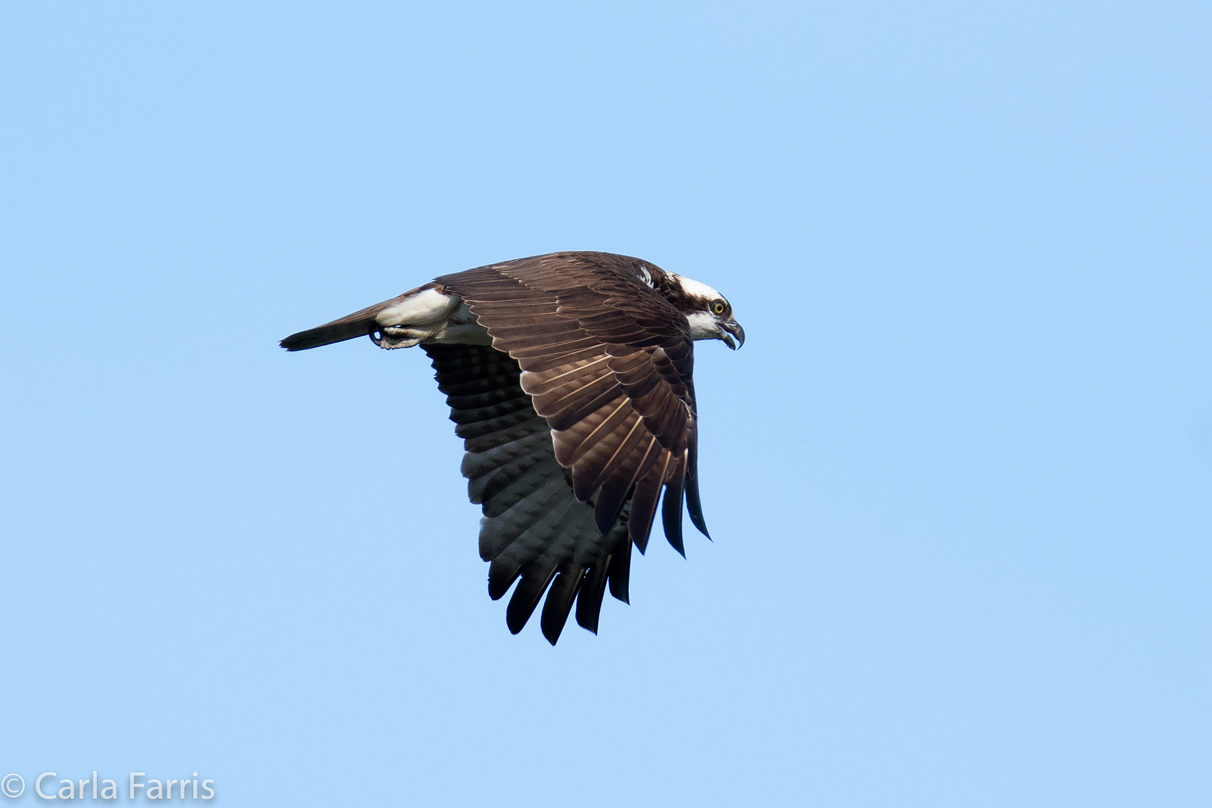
(568, 377)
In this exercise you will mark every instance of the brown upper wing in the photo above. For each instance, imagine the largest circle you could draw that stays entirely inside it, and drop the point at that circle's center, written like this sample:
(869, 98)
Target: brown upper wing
(607, 362)
(587, 387)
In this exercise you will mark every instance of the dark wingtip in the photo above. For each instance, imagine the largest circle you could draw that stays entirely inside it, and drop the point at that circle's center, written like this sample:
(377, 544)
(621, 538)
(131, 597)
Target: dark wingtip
(586, 620)
(641, 544)
(523, 602)
(694, 504)
(618, 574)
(500, 577)
(678, 545)
(589, 599)
(671, 516)
(560, 597)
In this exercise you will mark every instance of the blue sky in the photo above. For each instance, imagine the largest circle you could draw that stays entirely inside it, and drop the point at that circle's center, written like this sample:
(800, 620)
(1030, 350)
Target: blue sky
(958, 480)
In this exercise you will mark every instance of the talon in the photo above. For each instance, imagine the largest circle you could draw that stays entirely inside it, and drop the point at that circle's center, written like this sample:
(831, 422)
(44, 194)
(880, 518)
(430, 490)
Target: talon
(396, 336)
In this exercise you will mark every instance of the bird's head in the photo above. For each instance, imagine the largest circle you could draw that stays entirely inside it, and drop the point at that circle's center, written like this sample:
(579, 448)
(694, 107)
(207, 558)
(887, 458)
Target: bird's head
(709, 312)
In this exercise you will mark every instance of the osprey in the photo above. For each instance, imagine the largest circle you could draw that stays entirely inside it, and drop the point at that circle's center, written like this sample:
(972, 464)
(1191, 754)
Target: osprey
(568, 377)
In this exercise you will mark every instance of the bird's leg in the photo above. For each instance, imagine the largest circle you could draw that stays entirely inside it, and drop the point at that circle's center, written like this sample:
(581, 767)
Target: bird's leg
(398, 336)
(414, 318)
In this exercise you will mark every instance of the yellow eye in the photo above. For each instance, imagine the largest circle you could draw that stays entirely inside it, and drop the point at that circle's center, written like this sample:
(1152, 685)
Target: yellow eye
(718, 307)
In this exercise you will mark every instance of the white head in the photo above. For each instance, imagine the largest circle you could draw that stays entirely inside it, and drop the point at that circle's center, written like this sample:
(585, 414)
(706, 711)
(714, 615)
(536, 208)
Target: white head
(708, 312)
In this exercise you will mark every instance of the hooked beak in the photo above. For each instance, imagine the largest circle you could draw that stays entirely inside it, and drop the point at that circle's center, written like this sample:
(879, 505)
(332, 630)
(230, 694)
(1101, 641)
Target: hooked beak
(734, 328)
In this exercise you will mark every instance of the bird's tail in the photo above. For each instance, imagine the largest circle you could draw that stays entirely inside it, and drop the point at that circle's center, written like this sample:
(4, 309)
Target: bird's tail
(359, 324)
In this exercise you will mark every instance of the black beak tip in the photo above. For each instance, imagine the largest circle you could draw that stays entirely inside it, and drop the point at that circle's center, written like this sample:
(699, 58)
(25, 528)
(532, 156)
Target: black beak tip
(734, 328)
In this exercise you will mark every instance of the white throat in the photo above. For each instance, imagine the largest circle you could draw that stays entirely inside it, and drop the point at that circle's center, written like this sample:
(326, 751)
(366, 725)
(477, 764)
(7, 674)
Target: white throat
(703, 326)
